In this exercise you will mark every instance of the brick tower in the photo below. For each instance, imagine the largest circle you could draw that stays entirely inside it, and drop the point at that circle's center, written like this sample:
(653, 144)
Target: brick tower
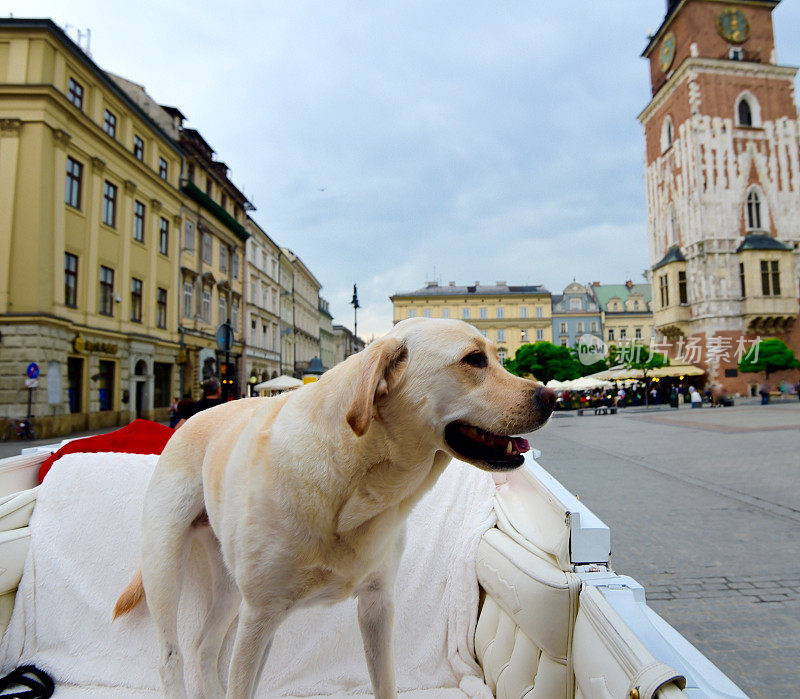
(722, 176)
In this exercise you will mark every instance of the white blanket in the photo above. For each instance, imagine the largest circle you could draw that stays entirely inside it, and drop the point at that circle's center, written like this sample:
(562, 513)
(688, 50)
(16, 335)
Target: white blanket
(85, 546)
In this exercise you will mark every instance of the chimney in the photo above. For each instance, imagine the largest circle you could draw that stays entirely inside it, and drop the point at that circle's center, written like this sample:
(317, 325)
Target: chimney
(429, 285)
(452, 283)
(629, 283)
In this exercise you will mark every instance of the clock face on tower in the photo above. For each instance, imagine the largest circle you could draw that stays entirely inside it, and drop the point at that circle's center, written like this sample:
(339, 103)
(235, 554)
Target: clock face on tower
(666, 53)
(733, 26)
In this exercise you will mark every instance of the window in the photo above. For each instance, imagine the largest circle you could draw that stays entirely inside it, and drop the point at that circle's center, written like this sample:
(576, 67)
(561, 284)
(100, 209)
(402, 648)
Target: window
(523, 311)
(136, 300)
(500, 312)
(70, 279)
(501, 356)
(163, 236)
(672, 228)
(744, 113)
(611, 334)
(736, 53)
(748, 111)
(741, 279)
(138, 221)
(483, 313)
(635, 305)
(663, 284)
(110, 124)
(109, 204)
(594, 326)
(564, 341)
(208, 185)
(188, 299)
(501, 335)
(190, 172)
(161, 307)
(445, 313)
(485, 333)
(75, 93)
(753, 210)
(682, 295)
(540, 334)
(523, 335)
(637, 333)
(138, 147)
(72, 194)
(623, 333)
(162, 168)
(575, 305)
(223, 257)
(427, 313)
(224, 200)
(563, 327)
(412, 312)
(188, 236)
(106, 291)
(465, 313)
(667, 134)
(223, 308)
(264, 335)
(105, 384)
(539, 312)
(235, 265)
(207, 248)
(206, 305)
(770, 278)
(579, 326)
(235, 314)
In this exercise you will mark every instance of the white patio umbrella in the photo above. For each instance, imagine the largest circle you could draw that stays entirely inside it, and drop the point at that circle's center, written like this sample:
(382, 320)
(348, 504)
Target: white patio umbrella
(279, 383)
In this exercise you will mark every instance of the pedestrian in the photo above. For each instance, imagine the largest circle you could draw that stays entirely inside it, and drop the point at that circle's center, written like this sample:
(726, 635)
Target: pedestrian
(763, 391)
(212, 395)
(696, 398)
(174, 417)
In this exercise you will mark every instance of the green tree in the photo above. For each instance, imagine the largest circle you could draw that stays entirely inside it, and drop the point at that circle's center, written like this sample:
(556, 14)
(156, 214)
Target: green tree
(769, 356)
(544, 361)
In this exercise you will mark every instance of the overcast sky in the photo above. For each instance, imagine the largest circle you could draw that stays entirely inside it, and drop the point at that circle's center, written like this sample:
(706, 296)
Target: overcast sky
(391, 143)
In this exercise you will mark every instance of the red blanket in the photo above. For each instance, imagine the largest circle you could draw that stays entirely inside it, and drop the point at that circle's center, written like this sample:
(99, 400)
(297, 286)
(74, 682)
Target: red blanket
(140, 437)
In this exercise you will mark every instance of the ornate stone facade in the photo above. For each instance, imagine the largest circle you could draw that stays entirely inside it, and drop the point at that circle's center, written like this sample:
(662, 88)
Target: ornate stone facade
(722, 176)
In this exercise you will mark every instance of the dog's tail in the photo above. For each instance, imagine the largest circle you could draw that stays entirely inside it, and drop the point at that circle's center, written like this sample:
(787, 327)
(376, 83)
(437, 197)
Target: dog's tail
(131, 596)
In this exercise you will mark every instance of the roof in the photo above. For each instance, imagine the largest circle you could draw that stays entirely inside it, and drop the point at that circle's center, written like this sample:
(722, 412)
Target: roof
(605, 292)
(674, 254)
(433, 289)
(761, 241)
(108, 82)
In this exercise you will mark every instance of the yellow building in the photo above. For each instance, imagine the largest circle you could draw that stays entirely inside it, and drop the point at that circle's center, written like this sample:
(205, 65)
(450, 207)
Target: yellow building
(90, 215)
(509, 316)
(627, 311)
(304, 299)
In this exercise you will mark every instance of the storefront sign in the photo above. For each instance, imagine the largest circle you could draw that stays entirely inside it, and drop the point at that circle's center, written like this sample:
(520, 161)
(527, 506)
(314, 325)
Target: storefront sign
(82, 346)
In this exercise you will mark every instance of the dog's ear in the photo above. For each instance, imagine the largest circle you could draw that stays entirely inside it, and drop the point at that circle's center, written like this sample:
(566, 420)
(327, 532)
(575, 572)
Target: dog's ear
(382, 365)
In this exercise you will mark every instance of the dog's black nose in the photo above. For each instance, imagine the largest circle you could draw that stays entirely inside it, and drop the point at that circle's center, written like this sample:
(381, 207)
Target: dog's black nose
(545, 398)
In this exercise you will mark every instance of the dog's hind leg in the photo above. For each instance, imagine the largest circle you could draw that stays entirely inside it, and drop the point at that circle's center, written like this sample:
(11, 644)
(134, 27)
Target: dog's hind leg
(224, 605)
(254, 634)
(171, 505)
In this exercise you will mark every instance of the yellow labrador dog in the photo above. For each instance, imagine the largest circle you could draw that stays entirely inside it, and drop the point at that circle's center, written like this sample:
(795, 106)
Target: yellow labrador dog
(301, 499)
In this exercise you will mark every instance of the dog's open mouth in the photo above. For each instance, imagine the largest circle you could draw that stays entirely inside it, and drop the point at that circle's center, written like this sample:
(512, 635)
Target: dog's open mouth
(499, 452)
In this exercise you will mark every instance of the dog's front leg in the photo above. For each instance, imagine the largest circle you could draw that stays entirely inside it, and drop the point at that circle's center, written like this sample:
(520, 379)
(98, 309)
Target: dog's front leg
(376, 619)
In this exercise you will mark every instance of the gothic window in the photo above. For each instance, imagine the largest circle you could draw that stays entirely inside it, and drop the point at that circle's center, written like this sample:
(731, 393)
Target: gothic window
(672, 228)
(748, 110)
(753, 210)
(667, 134)
(744, 114)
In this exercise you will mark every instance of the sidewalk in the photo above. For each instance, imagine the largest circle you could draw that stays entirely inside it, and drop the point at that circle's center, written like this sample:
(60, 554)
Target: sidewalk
(12, 448)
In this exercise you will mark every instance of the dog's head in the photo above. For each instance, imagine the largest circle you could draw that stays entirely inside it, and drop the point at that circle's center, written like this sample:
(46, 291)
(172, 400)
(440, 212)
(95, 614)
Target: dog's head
(441, 381)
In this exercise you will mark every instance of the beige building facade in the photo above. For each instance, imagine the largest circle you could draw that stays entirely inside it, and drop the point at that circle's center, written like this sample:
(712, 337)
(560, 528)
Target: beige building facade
(508, 315)
(263, 296)
(305, 313)
(90, 213)
(627, 312)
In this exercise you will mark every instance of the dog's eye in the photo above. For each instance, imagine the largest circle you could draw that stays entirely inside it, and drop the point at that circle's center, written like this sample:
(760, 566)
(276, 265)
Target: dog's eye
(476, 359)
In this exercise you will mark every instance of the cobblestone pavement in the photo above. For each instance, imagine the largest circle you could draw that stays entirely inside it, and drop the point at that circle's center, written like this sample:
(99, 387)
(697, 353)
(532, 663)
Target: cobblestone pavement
(704, 510)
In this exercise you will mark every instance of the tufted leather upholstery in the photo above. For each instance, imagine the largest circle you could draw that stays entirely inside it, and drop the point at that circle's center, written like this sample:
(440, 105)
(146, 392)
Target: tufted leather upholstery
(524, 635)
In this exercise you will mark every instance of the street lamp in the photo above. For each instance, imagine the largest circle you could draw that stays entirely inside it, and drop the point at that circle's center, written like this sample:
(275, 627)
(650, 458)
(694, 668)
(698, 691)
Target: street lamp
(354, 304)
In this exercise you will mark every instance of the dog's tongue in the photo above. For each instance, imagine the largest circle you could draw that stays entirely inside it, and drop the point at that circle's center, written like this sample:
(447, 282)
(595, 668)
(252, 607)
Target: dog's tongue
(520, 444)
